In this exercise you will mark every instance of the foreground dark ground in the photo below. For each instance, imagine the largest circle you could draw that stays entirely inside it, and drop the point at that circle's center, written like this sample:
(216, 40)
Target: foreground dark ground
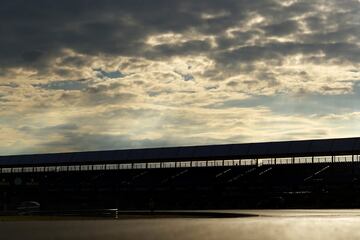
(320, 185)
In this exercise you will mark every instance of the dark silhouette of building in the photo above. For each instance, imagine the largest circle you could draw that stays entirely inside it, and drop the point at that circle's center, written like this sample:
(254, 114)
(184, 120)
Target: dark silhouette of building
(292, 174)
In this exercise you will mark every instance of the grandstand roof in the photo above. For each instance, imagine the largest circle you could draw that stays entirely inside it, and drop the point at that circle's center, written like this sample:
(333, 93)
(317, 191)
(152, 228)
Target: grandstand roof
(339, 146)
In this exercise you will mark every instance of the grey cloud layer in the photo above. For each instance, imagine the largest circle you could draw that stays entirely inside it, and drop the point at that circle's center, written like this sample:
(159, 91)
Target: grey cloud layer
(90, 74)
(34, 32)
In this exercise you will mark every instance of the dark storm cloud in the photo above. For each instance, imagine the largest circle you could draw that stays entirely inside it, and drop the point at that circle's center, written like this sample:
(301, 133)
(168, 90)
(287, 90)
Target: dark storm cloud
(278, 51)
(32, 55)
(32, 33)
(283, 28)
(187, 48)
(240, 37)
(73, 61)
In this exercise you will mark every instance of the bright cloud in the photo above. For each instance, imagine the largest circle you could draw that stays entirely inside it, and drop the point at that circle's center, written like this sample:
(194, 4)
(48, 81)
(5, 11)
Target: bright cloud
(123, 74)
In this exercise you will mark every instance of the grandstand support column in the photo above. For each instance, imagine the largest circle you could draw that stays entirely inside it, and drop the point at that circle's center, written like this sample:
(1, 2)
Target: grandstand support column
(312, 159)
(293, 160)
(332, 158)
(5, 201)
(352, 167)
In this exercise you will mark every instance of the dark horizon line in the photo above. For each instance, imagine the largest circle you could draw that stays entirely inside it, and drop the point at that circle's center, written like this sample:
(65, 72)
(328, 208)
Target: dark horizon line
(185, 146)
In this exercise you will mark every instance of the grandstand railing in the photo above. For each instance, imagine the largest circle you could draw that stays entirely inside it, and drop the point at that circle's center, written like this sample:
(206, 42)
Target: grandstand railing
(186, 164)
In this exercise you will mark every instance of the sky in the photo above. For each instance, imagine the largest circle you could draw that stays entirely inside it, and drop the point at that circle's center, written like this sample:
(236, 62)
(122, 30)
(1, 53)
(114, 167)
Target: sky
(79, 75)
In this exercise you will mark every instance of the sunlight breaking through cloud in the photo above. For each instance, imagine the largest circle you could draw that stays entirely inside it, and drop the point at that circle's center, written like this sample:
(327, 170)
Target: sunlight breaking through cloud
(122, 74)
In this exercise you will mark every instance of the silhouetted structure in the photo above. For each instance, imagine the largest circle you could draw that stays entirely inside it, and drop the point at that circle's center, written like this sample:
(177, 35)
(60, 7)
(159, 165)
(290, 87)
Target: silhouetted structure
(291, 174)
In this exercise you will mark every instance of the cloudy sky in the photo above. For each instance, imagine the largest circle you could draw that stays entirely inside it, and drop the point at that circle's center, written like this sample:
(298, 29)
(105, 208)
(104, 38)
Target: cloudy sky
(80, 75)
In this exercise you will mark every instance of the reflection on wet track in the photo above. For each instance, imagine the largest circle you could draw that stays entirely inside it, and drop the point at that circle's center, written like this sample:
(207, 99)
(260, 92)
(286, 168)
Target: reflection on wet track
(267, 224)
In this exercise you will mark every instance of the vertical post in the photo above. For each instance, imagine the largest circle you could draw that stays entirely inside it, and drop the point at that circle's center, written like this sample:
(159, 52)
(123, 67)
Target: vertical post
(5, 201)
(312, 159)
(332, 158)
(352, 167)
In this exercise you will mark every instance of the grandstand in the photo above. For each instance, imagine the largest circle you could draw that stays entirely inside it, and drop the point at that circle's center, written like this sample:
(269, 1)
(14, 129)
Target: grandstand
(289, 174)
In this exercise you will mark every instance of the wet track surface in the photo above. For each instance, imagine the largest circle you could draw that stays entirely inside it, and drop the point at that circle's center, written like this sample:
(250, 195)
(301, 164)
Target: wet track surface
(266, 224)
